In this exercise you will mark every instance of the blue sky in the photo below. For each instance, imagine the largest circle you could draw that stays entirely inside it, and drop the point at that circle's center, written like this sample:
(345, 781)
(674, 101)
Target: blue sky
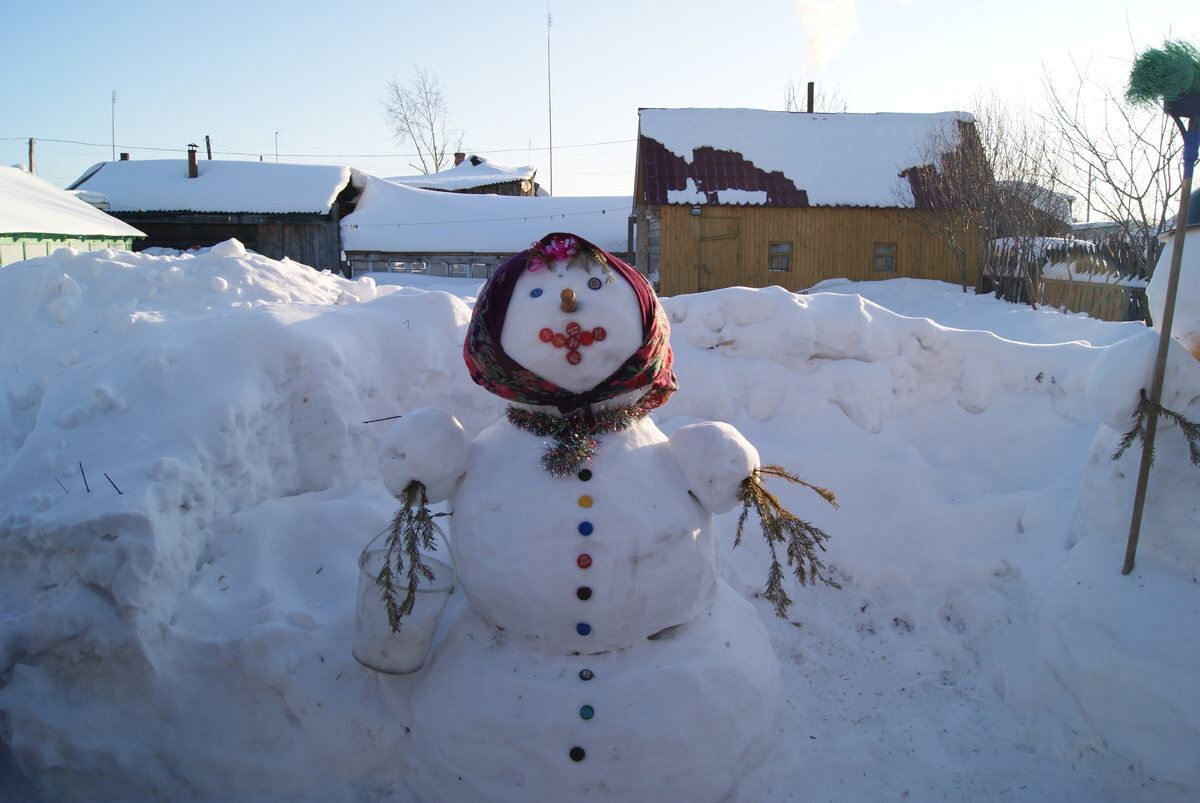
(315, 72)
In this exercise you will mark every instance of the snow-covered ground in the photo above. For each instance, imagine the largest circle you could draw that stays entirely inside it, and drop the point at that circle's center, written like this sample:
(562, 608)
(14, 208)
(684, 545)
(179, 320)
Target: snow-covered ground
(188, 480)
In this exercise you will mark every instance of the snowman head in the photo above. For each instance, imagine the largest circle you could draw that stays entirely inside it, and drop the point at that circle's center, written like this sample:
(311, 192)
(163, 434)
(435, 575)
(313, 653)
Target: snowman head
(566, 324)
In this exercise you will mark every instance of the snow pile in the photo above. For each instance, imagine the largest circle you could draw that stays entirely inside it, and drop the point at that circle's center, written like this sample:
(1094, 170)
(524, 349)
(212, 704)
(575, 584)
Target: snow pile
(29, 205)
(220, 186)
(189, 636)
(395, 217)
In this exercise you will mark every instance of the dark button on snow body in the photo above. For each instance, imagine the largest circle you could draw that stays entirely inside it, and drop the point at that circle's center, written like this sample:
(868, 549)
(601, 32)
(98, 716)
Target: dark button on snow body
(583, 561)
(586, 674)
(585, 474)
(583, 628)
(585, 528)
(587, 712)
(577, 754)
(583, 592)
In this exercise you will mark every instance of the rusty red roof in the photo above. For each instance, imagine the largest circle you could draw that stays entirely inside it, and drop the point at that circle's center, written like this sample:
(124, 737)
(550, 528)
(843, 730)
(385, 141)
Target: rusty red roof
(791, 159)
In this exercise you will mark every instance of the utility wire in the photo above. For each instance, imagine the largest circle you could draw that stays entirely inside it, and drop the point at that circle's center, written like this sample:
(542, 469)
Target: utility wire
(317, 155)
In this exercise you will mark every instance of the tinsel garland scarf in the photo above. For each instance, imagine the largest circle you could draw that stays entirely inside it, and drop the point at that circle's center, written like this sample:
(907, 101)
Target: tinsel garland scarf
(575, 435)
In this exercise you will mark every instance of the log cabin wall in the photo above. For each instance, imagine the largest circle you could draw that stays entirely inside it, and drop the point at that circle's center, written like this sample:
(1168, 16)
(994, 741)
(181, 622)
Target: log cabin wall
(728, 246)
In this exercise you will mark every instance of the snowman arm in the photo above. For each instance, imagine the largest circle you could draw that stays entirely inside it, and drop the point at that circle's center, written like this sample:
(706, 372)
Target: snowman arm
(715, 459)
(427, 445)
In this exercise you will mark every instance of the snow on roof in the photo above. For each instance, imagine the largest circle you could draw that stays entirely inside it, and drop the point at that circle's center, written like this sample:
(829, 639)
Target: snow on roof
(29, 205)
(834, 159)
(162, 185)
(474, 171)
(393, 217)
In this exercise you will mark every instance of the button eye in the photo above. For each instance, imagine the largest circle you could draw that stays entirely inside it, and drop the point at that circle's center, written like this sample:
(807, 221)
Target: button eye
(595, 283)
(535, 292)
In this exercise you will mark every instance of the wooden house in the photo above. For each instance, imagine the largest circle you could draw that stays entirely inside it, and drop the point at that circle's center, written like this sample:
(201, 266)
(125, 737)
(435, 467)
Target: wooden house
(476, 175)
(277, 210)
(396, 227)
(748, 197)
(37, 219)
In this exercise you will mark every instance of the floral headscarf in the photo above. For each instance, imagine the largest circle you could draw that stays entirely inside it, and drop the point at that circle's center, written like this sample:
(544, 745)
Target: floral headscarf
(493, 369)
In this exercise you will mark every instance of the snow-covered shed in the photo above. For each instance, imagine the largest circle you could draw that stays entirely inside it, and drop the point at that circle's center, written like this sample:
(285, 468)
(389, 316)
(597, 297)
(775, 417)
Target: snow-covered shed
(278, 210)
(37, 218)
(475, 174)
(398, 227)
(751, 197)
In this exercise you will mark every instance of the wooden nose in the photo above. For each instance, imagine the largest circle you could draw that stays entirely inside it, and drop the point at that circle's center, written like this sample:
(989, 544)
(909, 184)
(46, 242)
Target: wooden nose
(568, 300)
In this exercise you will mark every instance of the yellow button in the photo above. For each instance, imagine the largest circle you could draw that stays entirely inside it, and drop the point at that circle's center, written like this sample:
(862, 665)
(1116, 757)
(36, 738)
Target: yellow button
(585, 501)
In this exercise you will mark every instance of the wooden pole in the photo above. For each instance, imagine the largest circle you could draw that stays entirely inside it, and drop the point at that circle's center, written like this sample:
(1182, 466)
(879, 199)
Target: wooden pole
(208, 144)
(31, 143)
(1190, 143)
(811, 96)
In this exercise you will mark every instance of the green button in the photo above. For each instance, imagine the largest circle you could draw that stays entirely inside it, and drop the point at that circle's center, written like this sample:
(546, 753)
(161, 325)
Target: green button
(587, 712)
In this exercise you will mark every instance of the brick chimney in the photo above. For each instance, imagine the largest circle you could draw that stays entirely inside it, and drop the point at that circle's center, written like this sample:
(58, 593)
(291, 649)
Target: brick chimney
(124, 157)
(458, 158)
(193, 168)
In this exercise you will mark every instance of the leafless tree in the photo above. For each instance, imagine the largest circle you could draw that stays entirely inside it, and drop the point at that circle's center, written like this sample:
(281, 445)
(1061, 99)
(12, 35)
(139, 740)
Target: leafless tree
(417, 112)
(795, 99)
(1122, 159)
(996, 188)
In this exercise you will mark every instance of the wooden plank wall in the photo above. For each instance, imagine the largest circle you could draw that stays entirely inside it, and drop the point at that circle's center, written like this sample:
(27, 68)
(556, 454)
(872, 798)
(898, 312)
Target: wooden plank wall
(827, 243)
(312, 244)
(1107, 302)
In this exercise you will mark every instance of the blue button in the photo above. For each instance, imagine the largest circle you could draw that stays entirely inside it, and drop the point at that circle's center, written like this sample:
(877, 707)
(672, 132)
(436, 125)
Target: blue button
(585, 528)
(583, 629)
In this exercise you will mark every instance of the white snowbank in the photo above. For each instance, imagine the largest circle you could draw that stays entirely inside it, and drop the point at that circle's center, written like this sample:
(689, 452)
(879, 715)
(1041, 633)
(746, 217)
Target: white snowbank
(188, 636)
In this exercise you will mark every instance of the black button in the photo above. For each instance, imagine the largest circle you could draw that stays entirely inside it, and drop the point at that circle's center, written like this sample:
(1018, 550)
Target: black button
(583, 592)
(577, 754)
(586, 674)
(585, 474)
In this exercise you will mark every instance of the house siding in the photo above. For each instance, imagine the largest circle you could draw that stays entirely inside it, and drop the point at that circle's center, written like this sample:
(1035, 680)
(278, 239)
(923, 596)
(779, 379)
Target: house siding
(727, 246)
(15, 248)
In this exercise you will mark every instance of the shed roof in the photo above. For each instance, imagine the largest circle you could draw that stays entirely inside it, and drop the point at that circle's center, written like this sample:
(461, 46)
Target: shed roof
(162, 185)
(29, 205)
(773, 158)
(474, 171)
(393, 217)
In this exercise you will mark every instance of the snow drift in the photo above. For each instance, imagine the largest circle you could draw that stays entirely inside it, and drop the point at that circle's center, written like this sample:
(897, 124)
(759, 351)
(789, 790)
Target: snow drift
(189, 476)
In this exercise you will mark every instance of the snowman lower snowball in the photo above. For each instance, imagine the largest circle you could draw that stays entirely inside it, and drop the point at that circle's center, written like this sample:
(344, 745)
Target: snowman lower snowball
(600, 656)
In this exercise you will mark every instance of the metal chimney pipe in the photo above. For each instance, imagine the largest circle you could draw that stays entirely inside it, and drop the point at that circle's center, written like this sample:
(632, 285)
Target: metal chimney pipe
(193, 168)
(811, 94)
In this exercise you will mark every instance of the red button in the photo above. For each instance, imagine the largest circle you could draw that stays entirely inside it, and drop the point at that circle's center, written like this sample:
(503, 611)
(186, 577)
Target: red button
(585, 338)
(573, 329)
(574, 357)
(599, 334)
(559, 340)
(546, 335)
(584, 560)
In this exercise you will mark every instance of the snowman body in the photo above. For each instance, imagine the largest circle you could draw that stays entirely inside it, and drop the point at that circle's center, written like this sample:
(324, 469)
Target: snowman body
(598, 560)
(600, 656)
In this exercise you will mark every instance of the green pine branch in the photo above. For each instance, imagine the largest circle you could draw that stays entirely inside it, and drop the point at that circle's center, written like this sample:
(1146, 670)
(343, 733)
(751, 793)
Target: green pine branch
(1139, 430)
(801, 539)
(412, 529)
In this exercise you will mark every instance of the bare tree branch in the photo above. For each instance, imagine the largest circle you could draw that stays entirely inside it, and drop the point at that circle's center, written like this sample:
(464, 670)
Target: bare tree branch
(1121, 160)
(417, 112)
